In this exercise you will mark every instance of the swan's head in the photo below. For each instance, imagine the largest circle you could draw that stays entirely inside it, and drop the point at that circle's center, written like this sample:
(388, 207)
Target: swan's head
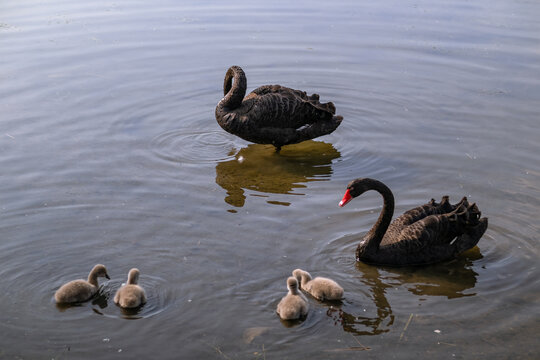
(100, 271)
(301, 276)
(297, 274)
(133, 276)
(356, 188)
(292, 284)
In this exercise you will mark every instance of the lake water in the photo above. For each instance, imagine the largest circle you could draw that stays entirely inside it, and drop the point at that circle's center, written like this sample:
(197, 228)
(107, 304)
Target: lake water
(110, 153)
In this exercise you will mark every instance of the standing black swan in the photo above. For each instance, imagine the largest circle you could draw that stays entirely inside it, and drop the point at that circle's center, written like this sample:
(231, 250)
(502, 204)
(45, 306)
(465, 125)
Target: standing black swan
(272, 114)
(427, 234)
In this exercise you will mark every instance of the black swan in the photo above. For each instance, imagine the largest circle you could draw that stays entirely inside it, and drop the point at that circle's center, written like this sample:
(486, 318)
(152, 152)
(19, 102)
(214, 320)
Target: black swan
(427, 234)
(272, 114)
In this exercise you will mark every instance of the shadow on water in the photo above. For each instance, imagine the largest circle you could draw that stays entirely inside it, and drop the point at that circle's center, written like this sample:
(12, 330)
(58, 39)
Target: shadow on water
(260, 168)
(102, 298)
(132, 313)
(124, 313)
(362, 325)
(292, 323)
(450, 279)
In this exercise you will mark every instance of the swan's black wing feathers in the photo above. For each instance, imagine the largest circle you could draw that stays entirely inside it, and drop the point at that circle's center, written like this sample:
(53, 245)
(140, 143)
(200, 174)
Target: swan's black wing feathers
(272, 114)
(278, 115)
(435, 237)
(411, 216)
(281, 107)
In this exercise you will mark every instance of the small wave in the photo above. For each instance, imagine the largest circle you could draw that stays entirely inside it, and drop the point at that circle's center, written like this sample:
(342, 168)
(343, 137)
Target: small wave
(193, 146)
(159, 297)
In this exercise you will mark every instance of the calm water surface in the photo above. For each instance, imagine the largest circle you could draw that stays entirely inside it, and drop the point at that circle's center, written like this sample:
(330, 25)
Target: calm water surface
(110, 154)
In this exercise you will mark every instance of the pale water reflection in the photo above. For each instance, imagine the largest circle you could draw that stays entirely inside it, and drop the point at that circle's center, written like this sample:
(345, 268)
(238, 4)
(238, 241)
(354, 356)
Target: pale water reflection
(261, 170)
(359, 323)
(450, 279)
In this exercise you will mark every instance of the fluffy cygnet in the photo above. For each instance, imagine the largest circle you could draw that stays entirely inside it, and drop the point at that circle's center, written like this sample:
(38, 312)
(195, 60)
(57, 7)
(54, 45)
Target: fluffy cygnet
(294, 305)
(130, 295)
(81, 290)
(320, 287)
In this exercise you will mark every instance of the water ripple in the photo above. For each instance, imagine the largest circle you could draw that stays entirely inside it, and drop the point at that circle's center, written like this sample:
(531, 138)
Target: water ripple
(159, 297)
(193, 146)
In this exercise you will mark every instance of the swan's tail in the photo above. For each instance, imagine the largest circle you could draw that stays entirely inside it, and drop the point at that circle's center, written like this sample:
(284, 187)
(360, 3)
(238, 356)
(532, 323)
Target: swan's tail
(472, 235)
(470, 225)
(306, 132)
(319, 128)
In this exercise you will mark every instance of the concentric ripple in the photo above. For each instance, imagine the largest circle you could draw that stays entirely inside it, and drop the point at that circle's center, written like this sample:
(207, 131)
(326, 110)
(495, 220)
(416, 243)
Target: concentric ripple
(158, 295)
(193, 146)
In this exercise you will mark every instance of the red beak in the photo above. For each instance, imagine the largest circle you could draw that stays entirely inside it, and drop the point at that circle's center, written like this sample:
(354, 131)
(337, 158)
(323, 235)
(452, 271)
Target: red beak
(346, 198)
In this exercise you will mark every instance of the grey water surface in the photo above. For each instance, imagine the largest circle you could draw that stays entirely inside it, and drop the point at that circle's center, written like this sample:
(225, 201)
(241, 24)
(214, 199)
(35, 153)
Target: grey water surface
(110, 153)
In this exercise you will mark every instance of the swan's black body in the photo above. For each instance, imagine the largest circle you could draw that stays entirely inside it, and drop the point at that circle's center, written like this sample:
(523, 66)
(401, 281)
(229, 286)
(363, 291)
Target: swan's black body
(272, 114)
(427, 234)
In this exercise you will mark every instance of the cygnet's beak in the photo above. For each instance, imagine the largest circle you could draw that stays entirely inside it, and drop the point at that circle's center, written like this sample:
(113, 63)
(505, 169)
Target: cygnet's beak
(107, 276)
(346, 198)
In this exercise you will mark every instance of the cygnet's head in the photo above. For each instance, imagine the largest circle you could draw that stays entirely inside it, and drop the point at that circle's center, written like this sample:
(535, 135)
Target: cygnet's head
(133, 276)
(100, 271)
(301, 275)
(292, 284)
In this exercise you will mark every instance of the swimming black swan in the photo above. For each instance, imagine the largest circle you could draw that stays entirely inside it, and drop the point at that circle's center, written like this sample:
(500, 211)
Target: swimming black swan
(272, 114)
(427, 234)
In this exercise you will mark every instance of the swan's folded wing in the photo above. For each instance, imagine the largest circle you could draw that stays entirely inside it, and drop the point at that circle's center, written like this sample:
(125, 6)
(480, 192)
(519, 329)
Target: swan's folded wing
(282, 90)
(285, 110)
(423, 242)
(457, 231)
(433, 230)
(412, 216)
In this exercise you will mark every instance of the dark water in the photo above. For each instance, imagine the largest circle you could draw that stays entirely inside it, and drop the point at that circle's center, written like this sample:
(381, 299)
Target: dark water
(110, 154)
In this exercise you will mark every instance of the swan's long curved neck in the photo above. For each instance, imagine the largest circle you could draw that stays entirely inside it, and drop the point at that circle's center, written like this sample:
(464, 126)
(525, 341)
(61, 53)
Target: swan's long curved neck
(133, 277)
(234, 92)
(92, 277)
(376, 234)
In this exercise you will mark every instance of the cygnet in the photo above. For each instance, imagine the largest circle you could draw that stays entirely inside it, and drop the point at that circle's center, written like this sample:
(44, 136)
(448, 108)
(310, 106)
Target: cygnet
(81, 290)
(320, 287)
(130, 295)
(294, 305)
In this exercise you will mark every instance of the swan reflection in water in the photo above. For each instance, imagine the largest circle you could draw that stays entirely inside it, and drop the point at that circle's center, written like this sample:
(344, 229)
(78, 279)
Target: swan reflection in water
(261, 169)
(449, 279)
